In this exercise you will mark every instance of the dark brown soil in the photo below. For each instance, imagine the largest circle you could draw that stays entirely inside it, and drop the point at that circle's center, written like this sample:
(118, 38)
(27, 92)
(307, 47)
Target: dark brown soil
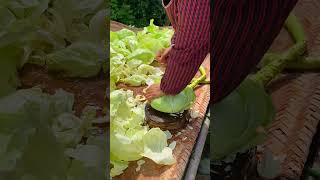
(90, 91)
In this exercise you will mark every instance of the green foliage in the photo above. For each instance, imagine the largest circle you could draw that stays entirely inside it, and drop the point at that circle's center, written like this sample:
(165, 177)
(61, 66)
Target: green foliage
(132, 53)
(130, 139)
(131, 57)
(37, 128)
(181, 101)
(239, 120)
(32, 29)
(77, 60)
(176, 103)
(35, 131)
(138, 12)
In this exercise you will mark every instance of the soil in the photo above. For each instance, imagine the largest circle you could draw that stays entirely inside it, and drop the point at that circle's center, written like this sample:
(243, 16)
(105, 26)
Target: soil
(89, 91)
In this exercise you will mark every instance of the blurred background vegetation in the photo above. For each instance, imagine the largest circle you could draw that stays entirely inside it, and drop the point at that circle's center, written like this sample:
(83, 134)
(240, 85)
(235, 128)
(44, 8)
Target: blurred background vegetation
(138, 12)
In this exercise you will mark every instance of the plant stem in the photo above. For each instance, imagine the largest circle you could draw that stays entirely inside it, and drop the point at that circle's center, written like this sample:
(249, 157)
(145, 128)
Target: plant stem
(271, 70)
(268, 58)
(201, 78)
(300, 63)
(305, 63)
(274, 63)
(206, 81)
(295, 28)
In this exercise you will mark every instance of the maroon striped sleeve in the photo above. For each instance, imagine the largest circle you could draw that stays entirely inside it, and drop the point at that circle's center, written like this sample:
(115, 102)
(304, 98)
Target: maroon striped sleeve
(191, 45)
(241, 33)
(173, 39)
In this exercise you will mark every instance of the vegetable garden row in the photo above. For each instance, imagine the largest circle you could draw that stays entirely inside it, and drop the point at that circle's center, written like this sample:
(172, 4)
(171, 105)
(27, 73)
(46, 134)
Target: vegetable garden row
(137, 150)
(53, 125)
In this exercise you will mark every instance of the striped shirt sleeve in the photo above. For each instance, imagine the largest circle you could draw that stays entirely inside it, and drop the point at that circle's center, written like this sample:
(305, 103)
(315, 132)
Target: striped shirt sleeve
(191, 45)
(241, 33)
(173, 39)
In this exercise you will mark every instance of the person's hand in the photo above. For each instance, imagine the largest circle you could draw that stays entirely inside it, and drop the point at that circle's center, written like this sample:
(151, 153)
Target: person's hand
(153, 92)
(162, 55)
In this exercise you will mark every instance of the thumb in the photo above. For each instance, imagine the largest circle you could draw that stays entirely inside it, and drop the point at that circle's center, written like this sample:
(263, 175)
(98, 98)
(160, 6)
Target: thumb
(166, 53)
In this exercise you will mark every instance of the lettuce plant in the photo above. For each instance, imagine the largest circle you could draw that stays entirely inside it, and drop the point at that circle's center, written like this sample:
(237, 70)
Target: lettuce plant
(39, 133)
(130, 140)
(240, 118)
(131, 62)
(132, 55)
(181, 101)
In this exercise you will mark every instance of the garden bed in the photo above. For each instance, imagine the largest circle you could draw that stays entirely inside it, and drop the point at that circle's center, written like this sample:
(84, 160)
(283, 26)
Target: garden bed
(185, 142)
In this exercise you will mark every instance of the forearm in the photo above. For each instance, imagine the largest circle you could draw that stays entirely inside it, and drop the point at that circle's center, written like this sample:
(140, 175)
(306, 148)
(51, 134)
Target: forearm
(179, 74)
(242, 32)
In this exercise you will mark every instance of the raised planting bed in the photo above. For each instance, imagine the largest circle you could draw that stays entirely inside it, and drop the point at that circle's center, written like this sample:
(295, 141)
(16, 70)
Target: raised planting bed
(185, 138)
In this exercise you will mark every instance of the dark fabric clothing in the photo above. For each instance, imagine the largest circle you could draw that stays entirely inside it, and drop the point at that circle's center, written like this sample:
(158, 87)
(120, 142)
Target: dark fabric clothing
(237, 33)
(191, 22)
(242, 32)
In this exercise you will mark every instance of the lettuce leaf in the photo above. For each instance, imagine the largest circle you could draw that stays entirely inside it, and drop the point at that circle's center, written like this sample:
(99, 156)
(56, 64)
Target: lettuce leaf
(156, 147)
(78, 60)
(238, 113)
(176, 103)
(135, 52)
(130, 140)
(145, 55)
